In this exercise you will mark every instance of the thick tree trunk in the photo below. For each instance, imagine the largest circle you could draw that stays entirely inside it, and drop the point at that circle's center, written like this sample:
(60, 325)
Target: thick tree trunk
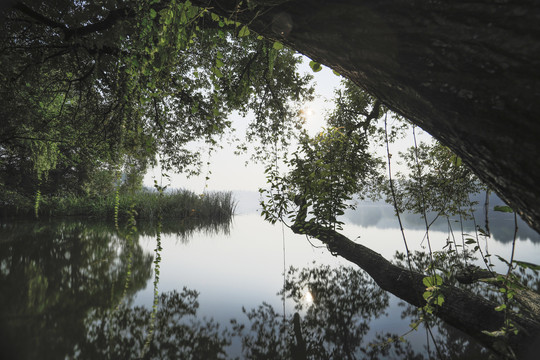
(465, 311)
(468, 72)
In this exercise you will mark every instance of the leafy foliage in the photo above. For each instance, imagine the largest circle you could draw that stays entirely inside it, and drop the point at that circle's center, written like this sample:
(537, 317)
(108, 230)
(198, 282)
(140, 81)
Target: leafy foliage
(439, 182)
(329, 168)
(87, 87)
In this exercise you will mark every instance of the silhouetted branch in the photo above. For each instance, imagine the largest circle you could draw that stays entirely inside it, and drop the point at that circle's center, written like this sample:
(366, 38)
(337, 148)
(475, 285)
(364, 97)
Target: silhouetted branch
(111, 19)
(462, 309)
(38, 17)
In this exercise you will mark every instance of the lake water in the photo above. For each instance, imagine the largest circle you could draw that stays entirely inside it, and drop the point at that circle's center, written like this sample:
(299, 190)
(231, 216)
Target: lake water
(62, 281)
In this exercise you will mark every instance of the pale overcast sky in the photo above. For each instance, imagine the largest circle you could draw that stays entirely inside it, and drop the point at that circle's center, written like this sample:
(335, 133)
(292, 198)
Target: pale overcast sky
(229, 172)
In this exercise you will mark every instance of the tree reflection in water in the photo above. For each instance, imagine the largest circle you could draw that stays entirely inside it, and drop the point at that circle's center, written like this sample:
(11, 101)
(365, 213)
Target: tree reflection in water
(51, 275)
(61, 284)
(331, 323)
(178, 333)
(56, 275)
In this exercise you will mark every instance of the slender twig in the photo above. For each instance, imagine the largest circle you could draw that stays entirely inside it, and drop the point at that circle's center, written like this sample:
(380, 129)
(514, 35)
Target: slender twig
(486, 211)
(392, 190)
(451, 233)
(484, 258)
(284, 270)
(513, 245)
(423, 197)
(428, 329)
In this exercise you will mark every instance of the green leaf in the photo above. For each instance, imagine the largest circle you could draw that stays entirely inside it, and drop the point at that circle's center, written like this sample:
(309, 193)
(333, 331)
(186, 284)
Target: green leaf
(482, 231)
(336, 73)
(153, 13)
(505, 208)
(277, 45)
(500, 307)
(430, 281)
(427, 294)
(315, 66)
(244, 31)
(217, 72)
(470, 241)
(503, 260)
(215, 17)
(219, 63)
(497, 333)
(527, 265)
(456, 160)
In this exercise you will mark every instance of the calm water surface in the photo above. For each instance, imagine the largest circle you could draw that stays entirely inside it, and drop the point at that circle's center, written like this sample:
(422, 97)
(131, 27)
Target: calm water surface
(62, 283)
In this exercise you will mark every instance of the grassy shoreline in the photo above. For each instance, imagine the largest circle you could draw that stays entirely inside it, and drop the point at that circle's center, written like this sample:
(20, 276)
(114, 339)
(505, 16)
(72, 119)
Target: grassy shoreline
(173, 205)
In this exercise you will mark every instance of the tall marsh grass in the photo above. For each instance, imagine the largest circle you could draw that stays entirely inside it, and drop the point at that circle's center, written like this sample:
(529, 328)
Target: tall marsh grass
(174, 205)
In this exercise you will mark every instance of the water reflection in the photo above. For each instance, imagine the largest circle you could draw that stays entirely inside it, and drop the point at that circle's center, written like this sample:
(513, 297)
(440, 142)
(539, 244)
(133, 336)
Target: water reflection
(332, 326)
(178, 334)
(501, 225)
(185, 229)
(53, 273)
(60, 281)
(335, 325)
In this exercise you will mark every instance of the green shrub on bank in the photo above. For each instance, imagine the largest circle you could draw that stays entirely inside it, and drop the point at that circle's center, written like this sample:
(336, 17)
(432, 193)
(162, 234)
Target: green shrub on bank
(174, 205)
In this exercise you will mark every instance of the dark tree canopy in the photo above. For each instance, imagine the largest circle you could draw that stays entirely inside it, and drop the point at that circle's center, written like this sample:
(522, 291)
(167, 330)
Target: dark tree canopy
(113, 83)
(467, 72)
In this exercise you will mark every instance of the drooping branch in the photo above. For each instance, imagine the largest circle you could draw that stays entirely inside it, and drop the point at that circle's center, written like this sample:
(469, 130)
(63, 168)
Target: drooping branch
(464, 310)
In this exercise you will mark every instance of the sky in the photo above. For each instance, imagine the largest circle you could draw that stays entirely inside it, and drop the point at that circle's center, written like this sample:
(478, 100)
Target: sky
(229, 172)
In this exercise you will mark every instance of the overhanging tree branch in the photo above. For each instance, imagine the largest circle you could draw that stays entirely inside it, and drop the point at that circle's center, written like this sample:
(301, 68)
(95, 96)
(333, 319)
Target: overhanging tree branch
(466, 72)
(464, 310)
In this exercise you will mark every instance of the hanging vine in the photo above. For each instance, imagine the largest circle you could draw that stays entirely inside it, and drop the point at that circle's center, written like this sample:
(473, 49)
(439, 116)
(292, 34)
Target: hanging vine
(157, 262)
(44, 156)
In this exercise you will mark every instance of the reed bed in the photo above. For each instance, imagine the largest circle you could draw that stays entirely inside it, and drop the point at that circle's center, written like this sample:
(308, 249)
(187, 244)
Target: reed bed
(173, 205)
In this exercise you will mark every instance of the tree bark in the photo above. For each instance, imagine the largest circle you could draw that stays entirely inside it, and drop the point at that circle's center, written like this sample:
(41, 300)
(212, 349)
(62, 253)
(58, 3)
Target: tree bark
(467, 72)
(464, 310)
